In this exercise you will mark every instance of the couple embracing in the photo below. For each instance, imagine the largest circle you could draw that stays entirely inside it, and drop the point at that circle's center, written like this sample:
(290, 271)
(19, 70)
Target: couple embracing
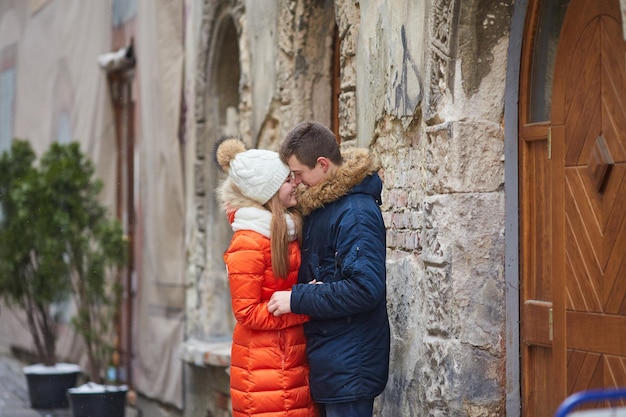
(306, 269)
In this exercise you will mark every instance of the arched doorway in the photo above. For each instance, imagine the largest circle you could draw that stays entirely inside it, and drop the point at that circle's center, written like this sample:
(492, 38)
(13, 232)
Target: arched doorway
(572, 163)
(216, 115)
(221, 118)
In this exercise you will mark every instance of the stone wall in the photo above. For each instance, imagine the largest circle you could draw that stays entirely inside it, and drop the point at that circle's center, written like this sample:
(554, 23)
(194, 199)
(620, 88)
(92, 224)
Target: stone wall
(421, 85)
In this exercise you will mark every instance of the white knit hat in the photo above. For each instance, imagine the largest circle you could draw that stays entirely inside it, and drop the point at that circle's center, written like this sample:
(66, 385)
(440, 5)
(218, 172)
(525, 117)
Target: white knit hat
(258, 173)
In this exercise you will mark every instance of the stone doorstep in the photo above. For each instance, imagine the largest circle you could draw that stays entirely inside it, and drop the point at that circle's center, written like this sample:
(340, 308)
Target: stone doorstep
(206, 353)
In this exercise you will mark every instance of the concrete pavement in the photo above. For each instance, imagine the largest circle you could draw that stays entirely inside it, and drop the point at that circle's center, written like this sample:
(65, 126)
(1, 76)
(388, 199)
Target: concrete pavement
(14, 401)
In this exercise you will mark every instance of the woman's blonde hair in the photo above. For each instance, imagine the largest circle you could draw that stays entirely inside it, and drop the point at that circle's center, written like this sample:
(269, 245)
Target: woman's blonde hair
(279, 235)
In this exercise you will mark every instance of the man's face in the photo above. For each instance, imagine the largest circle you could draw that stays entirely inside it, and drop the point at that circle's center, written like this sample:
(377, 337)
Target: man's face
(305, 175)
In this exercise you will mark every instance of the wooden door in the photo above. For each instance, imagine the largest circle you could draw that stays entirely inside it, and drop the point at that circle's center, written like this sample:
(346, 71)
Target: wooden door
(573, 216)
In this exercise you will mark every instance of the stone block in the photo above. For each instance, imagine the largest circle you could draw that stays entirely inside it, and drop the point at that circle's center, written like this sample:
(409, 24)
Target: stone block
(464, 157)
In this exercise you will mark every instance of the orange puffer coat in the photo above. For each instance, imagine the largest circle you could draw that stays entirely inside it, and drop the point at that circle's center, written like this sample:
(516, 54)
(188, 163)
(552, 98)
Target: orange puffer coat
(269, 372)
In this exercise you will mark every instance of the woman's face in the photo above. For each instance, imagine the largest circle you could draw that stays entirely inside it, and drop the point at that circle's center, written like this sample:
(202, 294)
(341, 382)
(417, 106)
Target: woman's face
(287, 192)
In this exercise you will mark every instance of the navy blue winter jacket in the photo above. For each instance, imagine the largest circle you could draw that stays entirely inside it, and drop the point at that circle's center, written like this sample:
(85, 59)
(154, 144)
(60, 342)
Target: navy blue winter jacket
(344, 247)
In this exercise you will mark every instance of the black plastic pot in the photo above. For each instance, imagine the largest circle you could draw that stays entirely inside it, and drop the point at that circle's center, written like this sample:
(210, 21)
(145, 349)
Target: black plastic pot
(107, 403)
(48, 390)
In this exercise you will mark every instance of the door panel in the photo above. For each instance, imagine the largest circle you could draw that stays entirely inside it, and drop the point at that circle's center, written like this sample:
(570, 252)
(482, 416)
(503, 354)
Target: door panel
(589, 252)
(535, 199)
(573, 183)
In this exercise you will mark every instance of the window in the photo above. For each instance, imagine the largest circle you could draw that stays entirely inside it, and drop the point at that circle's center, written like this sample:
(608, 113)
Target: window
(7, 96)
(551, 18)
(64, 128)
(123, 11)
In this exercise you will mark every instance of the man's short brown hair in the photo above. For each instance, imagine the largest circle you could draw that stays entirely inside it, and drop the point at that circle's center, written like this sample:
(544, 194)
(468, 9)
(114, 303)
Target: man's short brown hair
(308, 141)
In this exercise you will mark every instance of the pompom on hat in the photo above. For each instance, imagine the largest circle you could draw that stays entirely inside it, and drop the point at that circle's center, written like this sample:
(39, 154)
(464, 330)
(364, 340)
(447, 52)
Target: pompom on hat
(258, 173)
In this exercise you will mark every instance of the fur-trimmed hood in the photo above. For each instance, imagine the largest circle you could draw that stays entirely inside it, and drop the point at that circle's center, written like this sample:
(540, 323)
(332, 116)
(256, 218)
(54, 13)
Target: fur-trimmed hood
(357, 164)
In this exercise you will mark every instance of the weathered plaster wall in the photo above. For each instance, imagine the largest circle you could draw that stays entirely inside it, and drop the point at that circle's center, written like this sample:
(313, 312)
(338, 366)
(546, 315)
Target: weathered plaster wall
(262, 48)
(390, 62)
(348, 19)
(302, 69)
(433, 114)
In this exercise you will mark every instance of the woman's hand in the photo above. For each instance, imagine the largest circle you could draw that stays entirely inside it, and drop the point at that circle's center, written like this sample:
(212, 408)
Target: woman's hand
(279, 303)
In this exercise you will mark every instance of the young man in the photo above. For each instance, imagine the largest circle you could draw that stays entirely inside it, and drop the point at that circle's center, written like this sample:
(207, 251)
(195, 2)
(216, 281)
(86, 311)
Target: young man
(343, 251)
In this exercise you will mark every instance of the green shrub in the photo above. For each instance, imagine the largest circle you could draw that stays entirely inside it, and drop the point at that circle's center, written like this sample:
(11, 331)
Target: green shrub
(56, 242)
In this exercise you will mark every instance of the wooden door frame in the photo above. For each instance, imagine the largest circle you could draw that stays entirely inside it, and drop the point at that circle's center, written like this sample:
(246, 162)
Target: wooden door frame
(121, 85)
(511, 179)
(534, 237)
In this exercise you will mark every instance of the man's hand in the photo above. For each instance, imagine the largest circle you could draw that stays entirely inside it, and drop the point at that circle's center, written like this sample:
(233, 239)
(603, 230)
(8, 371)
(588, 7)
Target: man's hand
(280, 303)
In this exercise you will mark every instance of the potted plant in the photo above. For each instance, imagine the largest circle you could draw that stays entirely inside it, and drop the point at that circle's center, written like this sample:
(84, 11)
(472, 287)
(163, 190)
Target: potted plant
(97, 255)
(95, 250)
(57, 242)
(33, 276)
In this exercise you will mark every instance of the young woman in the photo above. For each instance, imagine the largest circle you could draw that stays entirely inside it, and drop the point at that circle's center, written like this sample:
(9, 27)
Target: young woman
(269, 372)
